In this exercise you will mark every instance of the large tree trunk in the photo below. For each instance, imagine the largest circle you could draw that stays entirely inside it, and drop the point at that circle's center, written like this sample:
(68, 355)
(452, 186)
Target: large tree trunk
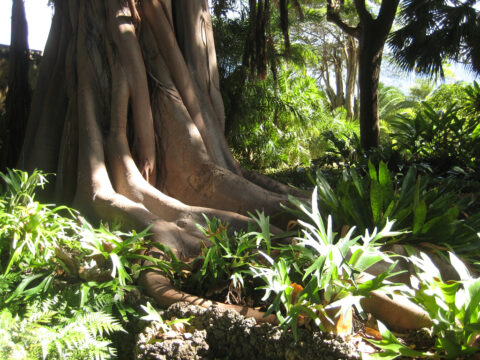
(372, 36)
(369, 63)
(132, 122)
(18, 95)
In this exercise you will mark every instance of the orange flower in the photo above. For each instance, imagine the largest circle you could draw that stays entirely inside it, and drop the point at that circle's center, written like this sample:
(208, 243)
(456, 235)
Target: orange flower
(297, 289)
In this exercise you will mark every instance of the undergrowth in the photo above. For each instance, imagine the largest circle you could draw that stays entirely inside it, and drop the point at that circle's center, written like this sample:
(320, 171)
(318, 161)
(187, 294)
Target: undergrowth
(66, 288)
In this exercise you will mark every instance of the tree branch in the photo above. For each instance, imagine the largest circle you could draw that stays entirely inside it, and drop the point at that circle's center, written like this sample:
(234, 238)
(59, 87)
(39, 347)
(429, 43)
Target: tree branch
(362, 10)
(388, 9)
(334, 17)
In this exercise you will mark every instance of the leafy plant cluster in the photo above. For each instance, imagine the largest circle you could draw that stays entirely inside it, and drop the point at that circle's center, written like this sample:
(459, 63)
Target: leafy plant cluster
(442, 138)
(452, 305)
(45, 331)
(281, 123)
(223, 267)
(328, 268)
(64, 285)
(310, 279)
(319, 277)
(428, 212)
(65, 292)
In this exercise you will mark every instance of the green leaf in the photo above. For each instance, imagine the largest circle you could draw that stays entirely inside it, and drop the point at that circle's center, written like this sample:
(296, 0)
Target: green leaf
(386, 183)
(472, 313)
(366, 287)
(376, 200)
(316, 266)
(459, 267)
(407, 186)
(357, 183)
(152, 313)
(21, 288)
(419, 216)
(449, 291)
(393, 348)
(372, 171)
(117, 265)
(365, 260)
(449, 344)
(442, 224)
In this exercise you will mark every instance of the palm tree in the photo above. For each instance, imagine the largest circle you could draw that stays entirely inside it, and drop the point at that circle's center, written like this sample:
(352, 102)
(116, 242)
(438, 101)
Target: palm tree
(436, 30)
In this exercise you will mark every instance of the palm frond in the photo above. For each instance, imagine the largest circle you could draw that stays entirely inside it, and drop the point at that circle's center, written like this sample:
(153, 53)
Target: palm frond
(434, 31)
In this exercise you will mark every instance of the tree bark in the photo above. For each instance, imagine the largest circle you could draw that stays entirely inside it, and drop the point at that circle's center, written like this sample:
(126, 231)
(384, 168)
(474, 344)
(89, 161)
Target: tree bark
(338, 66)
(131, 119)
(352, 68)
(368, 77)
(373, 36)
(19, 93)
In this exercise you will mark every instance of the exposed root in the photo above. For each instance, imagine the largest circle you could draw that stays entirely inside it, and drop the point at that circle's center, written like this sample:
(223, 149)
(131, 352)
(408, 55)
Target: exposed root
(270, 184)
(160, 288)
(397, 313)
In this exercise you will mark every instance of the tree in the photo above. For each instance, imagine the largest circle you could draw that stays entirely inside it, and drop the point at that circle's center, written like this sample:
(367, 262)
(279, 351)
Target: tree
(372, 33)
(338, 50)
(128, 113)
(434, 31)
(19, 93)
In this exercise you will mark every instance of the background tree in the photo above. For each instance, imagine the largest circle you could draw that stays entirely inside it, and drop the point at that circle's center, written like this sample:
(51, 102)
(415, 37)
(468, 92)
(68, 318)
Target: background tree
(372, 33)
(12, 129)
(337, 53)
(131, 120)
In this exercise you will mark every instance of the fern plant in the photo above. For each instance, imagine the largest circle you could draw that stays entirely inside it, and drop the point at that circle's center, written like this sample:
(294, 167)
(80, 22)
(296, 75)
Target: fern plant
(45, 333)
(51, 254)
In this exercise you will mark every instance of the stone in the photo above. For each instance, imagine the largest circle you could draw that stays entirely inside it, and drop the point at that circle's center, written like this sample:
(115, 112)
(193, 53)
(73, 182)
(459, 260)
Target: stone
(218, 333)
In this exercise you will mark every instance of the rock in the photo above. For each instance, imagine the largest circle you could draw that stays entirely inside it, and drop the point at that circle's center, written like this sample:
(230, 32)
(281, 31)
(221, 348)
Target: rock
(218, 333)
(151, 345)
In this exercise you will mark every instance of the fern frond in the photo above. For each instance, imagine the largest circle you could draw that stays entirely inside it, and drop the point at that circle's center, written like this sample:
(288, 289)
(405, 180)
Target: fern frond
(99, 322)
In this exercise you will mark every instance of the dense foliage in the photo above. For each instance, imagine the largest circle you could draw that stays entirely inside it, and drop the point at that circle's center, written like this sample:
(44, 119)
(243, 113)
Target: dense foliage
(66, 287)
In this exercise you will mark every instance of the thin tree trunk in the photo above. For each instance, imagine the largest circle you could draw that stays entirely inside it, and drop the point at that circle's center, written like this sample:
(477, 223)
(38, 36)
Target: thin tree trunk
(328, 87)
(338, 66)
(372, 34)
(19, 93)
(352, 66)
